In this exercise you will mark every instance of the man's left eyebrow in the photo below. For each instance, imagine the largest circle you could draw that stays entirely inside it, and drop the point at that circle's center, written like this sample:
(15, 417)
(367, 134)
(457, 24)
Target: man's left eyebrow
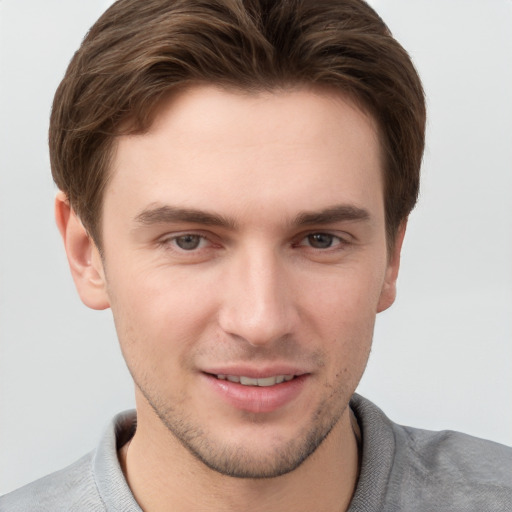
(341, 213)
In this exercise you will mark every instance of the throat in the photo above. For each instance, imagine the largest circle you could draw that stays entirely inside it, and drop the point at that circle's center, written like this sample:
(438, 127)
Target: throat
(163, 476)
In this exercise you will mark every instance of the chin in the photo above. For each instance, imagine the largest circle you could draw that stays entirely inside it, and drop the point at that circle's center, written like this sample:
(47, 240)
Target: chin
(242, 455)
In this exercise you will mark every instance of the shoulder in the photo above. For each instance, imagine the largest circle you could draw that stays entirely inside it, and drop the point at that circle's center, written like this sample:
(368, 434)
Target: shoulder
(463, 455)
(405, 468)
(451, 470)
(70, 489)
(94, 483)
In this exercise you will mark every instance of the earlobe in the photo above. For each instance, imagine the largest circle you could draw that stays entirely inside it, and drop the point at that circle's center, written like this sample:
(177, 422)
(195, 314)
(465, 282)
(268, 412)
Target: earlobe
(388, 292)
(83, 256)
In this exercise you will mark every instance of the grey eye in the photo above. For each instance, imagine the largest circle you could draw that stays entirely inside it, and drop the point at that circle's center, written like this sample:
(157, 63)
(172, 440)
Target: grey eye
(188, 242)
(320, 240)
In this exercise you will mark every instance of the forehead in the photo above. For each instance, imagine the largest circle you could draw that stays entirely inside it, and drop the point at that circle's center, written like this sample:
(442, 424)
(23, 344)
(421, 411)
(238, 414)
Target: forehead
(288, 114)
(215, 147)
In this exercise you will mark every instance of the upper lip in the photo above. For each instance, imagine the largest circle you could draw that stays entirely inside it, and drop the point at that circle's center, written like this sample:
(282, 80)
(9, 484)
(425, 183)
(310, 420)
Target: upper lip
(256, 372)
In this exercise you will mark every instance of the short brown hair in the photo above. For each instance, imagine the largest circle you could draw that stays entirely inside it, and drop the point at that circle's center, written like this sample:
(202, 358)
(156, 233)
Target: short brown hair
(140, 51)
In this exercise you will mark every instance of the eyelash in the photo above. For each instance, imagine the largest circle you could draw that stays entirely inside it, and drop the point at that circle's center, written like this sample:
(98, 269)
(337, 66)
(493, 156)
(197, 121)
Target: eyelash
(337, 242)
(168, 241)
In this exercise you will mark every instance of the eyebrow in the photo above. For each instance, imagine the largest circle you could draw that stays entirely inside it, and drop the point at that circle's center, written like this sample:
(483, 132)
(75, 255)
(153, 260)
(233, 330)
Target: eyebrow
(341, 213)
(168, 214)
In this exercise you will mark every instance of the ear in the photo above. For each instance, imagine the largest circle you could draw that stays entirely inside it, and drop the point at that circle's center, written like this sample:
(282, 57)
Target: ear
(388, 292)
(83, 256)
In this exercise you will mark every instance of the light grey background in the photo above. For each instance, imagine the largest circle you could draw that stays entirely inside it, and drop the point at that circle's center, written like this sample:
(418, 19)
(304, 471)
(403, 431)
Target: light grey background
(442, 356)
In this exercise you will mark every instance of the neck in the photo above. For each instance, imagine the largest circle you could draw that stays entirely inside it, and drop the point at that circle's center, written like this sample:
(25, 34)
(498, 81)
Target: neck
(164, 476)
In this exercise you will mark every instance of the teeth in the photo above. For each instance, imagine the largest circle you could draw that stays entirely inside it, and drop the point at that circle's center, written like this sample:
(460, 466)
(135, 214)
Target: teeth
(249, 381)
(267, 381)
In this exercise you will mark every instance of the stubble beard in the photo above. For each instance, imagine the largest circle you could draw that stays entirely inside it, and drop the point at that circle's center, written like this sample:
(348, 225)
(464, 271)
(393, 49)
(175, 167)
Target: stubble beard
(239, 462)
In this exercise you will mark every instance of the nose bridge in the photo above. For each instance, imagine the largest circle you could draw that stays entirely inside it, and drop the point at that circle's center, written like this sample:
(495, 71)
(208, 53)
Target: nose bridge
(258, 306)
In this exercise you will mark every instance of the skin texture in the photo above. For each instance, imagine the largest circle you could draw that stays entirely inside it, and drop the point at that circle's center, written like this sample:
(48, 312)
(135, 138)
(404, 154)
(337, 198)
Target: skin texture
(243, 234)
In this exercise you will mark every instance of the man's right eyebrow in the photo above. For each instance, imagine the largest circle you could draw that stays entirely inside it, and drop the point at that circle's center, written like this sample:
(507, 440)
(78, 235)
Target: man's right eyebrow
(168, 214)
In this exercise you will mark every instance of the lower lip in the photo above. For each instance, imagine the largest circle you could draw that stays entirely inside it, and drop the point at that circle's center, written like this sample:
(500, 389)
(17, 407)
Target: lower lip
(257, 399)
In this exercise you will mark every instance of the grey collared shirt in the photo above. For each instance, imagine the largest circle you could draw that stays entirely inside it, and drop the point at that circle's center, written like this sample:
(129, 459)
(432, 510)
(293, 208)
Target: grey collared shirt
(402, 469)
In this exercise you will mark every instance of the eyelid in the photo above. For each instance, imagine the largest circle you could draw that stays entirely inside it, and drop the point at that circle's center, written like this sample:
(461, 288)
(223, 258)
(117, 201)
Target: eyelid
(167, 239)
(343, 237)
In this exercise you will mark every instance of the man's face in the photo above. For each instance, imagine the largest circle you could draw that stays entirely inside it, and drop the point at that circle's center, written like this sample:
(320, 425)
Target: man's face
(244, 246)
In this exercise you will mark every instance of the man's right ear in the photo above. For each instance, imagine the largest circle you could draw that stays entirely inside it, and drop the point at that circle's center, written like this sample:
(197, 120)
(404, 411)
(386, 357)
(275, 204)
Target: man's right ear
(83, 256)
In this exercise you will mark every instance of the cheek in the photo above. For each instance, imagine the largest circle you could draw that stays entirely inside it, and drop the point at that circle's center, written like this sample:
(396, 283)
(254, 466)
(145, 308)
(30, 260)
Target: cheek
(158, 318)
(347, 296)
(342, 315)
(160, 297)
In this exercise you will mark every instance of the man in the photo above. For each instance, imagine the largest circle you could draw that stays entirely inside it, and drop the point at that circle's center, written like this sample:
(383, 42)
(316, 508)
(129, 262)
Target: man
(235, 184)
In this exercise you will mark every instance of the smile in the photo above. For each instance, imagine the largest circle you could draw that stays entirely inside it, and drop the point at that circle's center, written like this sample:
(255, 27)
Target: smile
(249, 381)
(263, 391)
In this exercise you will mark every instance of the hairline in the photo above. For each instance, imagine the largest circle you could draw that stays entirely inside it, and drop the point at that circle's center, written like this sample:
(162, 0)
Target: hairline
(128, 126)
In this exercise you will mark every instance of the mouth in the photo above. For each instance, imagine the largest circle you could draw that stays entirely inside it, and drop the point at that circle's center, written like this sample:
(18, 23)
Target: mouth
(262, 391)
(250, 381)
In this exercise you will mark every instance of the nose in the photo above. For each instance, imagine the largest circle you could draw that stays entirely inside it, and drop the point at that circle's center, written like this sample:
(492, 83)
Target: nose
(258, 302)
